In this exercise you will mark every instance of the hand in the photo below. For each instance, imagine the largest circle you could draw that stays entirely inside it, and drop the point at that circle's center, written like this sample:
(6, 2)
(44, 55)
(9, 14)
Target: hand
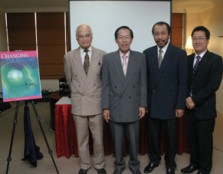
(190, 103)
(106, 115)
(142, 112)
(179, 113)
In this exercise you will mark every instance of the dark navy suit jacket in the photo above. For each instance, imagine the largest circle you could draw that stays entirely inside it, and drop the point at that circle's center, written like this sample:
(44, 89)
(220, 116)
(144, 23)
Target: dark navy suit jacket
(167, 85)
(205, 82)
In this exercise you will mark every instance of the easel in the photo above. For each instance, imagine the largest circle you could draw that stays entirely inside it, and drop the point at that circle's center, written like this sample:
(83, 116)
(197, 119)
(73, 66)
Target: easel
(13, 133)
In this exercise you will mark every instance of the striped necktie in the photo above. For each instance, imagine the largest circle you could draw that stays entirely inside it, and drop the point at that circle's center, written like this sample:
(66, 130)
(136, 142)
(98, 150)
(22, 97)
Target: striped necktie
(198, 58)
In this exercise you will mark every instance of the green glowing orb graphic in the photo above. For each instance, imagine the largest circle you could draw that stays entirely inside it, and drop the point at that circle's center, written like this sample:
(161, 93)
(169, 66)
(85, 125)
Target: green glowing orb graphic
(15, 76)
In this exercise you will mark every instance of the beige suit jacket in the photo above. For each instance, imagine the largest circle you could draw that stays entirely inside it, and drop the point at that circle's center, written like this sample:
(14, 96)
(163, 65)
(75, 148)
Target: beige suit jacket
(85, 89)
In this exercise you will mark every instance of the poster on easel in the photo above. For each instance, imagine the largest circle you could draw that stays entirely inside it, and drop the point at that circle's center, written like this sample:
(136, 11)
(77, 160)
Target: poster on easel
(20, 75)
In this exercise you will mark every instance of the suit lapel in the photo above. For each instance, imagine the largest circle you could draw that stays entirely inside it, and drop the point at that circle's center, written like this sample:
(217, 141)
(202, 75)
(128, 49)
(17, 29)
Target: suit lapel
(80, 70)
(118, 65)
(95, 62)
(154, 60)
(79, 65)
(130, 70)
(166, 59)
(201, 63)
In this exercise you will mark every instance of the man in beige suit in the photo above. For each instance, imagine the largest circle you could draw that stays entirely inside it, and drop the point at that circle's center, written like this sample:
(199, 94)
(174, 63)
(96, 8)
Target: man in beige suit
(83, 73)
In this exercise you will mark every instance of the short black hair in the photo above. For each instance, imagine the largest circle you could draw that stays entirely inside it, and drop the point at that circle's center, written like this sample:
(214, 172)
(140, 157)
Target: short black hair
(204, 29)
(162, 23)
(123, 27)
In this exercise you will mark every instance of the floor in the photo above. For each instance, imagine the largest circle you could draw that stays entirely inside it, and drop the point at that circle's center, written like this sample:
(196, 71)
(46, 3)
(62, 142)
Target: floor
(71, 165)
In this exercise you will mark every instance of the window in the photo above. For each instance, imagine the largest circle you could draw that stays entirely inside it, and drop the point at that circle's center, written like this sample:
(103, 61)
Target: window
(45, 32)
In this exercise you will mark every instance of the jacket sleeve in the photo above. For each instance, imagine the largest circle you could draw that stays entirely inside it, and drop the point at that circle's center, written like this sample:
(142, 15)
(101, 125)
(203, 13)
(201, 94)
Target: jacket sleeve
(105, 83)
(182, 80)
(67, 70)
(143, 83)
(213, 82)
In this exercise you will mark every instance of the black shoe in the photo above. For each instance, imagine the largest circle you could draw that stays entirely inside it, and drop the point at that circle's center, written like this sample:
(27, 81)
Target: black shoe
(189, 169)
(137, 171)
(101, 171)
(170, 171)
(150, 167)
(83, 171)
(118, 171)
(200, 172)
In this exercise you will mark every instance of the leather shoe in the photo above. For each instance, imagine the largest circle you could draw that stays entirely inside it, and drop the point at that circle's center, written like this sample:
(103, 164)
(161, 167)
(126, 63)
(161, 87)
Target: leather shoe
(170, 171)
(189, 169)
(101, 171)
(150, 167)
(200, 172)
(83, 171)
(137, 171)
(118, 171)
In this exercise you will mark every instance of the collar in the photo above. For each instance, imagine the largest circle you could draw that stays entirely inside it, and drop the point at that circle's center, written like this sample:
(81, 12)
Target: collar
(89, 49)
(201, 55)
(164, 48)
(121, 54)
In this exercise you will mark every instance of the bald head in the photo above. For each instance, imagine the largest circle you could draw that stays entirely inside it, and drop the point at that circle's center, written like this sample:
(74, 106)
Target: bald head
(84, 36)
(83, 27)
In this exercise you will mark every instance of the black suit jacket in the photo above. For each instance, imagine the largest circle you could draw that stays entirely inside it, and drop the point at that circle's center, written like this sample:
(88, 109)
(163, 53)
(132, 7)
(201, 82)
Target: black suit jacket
(205, 82)
(167, 85)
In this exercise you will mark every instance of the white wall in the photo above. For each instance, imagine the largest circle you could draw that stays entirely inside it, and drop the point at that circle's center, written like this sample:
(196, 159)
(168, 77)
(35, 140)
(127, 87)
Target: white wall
(140, 16)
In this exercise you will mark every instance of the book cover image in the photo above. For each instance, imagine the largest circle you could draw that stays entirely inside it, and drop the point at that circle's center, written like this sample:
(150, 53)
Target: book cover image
(20, 76)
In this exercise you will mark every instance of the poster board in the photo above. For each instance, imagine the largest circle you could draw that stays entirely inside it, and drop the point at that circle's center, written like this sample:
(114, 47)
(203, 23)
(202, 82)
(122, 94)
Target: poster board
(20, 76)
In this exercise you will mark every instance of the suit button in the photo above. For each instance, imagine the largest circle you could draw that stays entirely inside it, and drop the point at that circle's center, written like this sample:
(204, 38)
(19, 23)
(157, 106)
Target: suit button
(130, 97)
(154, 91)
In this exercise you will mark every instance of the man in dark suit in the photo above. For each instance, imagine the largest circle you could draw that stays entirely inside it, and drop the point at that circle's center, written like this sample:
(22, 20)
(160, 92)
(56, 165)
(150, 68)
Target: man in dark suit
(124, 96)
(167, 90)
(205, 74)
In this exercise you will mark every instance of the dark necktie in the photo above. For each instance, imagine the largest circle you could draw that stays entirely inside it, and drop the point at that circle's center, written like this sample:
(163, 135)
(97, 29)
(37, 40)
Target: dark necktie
(86, 61)
(198, 58)
(160, 57)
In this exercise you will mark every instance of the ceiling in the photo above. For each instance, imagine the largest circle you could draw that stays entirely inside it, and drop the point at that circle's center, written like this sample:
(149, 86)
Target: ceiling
(193, 6)
(179, 6)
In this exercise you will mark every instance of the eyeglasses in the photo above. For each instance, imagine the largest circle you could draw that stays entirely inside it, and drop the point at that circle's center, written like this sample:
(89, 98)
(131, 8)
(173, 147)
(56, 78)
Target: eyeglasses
(124, 37)
(198, 38)
(82, 37)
